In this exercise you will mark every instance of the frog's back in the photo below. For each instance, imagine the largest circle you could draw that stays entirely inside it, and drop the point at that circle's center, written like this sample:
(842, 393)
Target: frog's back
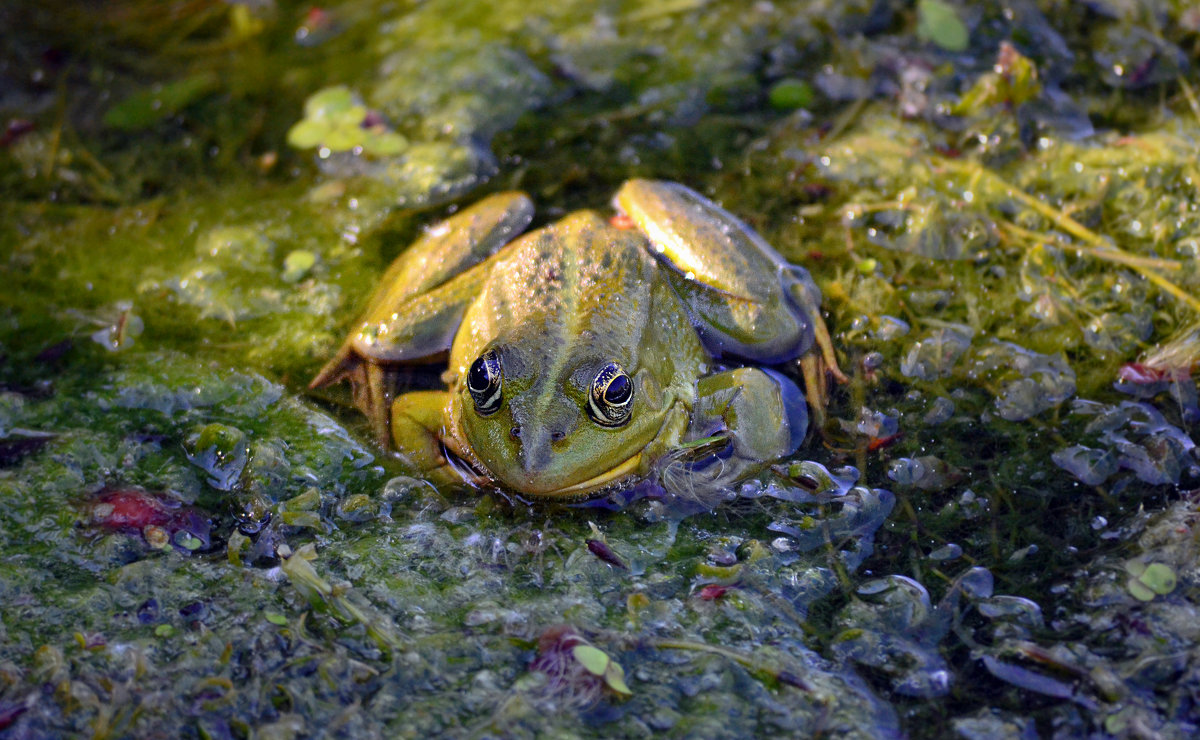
(578, 281)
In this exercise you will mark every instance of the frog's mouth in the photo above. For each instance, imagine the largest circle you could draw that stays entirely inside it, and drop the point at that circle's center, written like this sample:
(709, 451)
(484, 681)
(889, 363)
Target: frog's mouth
(453, 445)
(595, 483)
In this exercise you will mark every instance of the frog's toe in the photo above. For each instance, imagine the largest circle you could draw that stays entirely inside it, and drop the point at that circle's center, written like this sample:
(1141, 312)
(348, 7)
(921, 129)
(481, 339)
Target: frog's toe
(794, 409)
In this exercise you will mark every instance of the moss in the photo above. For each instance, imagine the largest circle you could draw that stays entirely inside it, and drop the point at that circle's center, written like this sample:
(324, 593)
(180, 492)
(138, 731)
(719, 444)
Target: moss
(1002, 232)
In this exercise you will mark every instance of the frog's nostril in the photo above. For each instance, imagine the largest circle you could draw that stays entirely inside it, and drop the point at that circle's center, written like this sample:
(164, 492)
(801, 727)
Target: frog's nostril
(557, 436)
(515, 432)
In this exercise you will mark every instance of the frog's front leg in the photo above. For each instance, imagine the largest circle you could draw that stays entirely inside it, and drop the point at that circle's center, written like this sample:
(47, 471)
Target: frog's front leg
(759, 415)
(417, 427)
(417, 307)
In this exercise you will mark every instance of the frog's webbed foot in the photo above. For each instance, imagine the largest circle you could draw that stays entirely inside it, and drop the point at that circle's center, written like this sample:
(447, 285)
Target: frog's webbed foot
(372, 386)
(819, 361)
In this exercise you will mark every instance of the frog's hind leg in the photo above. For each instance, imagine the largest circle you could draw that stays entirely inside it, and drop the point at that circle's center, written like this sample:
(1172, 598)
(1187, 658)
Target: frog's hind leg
(784, 325)
(745, 299)
(819, 362)
(451, 247)
(762, 412)
(373, 357)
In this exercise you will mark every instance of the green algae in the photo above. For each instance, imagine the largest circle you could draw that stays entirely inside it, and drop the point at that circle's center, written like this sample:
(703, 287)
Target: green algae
(998, 232)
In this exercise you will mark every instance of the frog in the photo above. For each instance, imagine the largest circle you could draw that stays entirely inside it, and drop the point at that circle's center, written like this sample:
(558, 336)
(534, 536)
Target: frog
(581, 354)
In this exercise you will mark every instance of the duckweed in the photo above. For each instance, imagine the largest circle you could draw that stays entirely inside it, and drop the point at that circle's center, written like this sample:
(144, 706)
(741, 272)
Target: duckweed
(994, 535)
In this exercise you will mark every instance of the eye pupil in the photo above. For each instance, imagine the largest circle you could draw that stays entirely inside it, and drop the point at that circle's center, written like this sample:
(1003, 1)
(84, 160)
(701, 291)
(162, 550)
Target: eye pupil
(477, 376)
(484, 381)
(618, 390)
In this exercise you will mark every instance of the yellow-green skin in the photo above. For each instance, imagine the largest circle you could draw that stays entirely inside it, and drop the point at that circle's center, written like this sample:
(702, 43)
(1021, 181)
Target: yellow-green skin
(556, 306)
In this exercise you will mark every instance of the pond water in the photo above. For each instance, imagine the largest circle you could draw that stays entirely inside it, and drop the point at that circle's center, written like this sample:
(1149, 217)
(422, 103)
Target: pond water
(994, 535)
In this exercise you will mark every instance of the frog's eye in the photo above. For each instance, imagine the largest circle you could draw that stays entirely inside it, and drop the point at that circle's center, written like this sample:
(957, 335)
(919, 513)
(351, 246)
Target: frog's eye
(611, 399)
(483, 381)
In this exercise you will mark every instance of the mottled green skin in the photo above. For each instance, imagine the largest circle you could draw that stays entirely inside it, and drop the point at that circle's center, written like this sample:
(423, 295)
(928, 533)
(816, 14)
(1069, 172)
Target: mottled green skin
(559, 304)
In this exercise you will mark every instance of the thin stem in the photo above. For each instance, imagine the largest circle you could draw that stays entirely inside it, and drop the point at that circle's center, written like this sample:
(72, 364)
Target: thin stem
(1108, 254)
(746, 661)
(1103, 247)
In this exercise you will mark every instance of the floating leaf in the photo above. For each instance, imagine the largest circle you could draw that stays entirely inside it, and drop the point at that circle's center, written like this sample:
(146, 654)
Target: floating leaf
(308, 133)
(593, 659)
(188, 541)
(1139, 590)
(297, 264)
(329, 102)
(937, 22)
(384, 144)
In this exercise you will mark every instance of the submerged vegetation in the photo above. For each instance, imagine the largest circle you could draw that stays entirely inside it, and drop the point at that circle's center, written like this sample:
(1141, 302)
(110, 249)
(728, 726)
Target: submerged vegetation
(994, 536)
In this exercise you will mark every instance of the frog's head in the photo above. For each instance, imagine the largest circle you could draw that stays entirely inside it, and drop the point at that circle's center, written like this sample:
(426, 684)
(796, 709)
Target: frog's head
(558, 427)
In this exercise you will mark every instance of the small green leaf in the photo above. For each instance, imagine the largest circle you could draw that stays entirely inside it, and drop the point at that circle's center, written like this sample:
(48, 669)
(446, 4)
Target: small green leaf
(790, 94)
(344, 138)
(164, 630)
(274, 618)
(329, 102)
(352, 116)
(937, 22)
(188, 541)
(297, 264)
(308, 133)
(1159, 578)
(593, 659)
(1139, 590)
(614, 677)
(385, 144)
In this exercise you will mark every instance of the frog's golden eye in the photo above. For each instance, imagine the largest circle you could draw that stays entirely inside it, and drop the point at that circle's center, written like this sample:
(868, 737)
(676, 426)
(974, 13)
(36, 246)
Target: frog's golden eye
(611, 401)
(484, 381)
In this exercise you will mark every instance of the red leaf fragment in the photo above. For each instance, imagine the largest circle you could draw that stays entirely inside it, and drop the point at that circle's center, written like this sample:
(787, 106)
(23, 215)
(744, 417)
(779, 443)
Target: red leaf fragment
(878, 443)
(131, 511)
